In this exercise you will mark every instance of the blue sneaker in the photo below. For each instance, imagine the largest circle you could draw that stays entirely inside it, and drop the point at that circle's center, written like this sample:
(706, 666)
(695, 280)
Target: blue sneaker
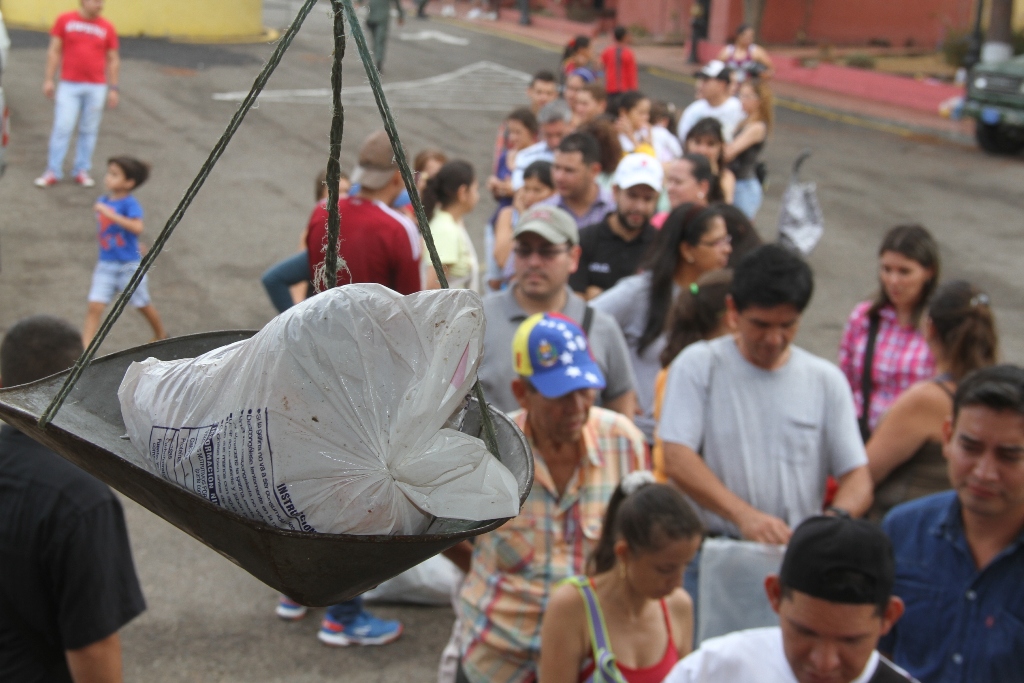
(289, 610)
(365, 629)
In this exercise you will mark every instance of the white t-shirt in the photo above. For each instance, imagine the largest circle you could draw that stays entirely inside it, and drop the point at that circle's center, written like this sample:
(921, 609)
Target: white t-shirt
(771, 436)
(666, 145)
(756, 654)
(538, 151)
(730, 113)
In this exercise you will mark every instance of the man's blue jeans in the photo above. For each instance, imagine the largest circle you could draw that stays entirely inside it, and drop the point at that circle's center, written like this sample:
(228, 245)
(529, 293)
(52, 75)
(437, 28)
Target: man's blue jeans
(80, 103)
(281, 276)
(345, 612)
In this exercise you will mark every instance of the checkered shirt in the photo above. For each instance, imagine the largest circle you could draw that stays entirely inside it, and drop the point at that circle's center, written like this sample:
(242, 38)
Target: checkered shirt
(515, 567)
(902, 357)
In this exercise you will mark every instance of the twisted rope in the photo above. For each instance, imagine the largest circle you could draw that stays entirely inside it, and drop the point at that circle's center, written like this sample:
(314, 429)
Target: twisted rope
(490, 438)
(334, 158)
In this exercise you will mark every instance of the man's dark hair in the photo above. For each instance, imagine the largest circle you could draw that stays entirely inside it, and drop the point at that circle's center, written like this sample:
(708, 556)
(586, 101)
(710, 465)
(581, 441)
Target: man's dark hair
(544, 75)
(584, 143)
(850, 582)
(999, 387)
(771, 276)
(133, 169)
(38, 347)
(620, 33)
(700, 167)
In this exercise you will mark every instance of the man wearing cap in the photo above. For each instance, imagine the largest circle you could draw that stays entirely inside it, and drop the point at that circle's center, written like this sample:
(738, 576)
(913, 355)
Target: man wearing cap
(612, 249)
(834, 599)
(377, 243)
(546, 252)
(713, 100)
(574, 171)
(960, 554)
(580, 454)
(555, 121)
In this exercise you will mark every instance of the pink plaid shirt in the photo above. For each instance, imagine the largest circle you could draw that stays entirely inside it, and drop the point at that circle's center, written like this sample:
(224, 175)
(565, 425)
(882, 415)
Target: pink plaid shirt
(902, 357)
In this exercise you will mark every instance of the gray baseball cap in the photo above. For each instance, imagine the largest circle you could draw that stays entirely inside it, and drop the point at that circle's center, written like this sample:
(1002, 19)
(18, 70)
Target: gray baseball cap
(550, 222)
(377, 163)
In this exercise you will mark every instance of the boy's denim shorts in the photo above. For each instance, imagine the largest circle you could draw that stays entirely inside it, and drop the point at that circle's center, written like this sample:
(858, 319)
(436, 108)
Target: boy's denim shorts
(111, 277)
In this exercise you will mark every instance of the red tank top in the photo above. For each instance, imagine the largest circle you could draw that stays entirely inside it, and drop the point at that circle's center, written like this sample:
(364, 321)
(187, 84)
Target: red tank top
(655, 673)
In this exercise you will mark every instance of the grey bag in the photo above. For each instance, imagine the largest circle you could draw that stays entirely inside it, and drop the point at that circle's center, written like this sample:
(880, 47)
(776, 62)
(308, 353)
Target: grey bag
(731, 586)
(800, 221)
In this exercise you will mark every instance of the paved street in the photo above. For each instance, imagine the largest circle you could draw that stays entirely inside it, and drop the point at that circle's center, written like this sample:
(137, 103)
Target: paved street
(208, 620)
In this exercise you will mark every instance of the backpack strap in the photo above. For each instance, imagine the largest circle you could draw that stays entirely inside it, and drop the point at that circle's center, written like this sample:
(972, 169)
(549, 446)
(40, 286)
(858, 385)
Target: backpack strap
(867, 384)
(588, 319)
(605, 669)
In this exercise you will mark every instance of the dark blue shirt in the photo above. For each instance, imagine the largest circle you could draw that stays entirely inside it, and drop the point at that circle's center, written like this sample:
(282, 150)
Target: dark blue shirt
(961, 623)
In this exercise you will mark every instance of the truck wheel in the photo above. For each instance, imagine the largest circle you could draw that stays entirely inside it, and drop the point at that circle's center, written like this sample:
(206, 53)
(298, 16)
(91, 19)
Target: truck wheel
(994, 140)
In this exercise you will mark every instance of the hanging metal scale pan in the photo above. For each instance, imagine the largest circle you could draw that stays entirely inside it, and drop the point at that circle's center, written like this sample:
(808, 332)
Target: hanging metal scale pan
(314, 569)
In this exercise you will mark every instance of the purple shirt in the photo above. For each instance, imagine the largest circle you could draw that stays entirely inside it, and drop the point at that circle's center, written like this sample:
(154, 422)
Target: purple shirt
(604, 203)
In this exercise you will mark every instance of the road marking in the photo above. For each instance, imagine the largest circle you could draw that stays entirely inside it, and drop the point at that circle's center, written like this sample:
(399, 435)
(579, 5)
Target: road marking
(482, 86)
(439, 36)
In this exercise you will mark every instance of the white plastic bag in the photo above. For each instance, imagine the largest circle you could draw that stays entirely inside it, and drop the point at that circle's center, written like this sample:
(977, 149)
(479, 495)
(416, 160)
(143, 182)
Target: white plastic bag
(801, 223)
(330, 419)
(429, 583)
(730, 588)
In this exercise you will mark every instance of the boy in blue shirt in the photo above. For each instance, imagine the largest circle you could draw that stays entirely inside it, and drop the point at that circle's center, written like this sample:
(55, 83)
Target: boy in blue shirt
(119, 224)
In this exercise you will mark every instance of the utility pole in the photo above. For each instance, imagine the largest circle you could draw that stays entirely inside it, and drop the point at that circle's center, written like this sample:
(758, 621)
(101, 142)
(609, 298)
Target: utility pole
(997, 46)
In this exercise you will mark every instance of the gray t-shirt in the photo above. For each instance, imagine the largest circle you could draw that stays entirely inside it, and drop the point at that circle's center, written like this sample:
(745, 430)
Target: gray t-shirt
(628, 302)
(504, 315)
(771, 436)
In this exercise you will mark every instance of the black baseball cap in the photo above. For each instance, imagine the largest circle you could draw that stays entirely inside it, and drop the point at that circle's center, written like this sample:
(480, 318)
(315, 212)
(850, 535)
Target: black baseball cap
(839, 559)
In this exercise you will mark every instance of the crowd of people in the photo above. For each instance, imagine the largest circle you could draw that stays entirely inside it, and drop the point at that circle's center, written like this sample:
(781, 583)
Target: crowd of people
(641, 335)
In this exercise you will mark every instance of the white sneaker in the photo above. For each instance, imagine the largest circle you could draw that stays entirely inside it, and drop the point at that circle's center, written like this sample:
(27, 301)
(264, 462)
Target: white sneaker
(448, 11)
(474, 13)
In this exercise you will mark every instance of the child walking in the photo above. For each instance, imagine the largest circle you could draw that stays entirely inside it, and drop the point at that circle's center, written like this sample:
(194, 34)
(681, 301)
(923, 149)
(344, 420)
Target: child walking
(119, 224)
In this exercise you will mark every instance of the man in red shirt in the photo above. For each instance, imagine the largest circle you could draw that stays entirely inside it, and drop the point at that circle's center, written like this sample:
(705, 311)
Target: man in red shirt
(620, 72)
(84, 45)
(377, 243)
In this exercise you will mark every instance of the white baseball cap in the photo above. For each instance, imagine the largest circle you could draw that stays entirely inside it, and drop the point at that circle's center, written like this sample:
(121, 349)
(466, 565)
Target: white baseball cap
(638, 169)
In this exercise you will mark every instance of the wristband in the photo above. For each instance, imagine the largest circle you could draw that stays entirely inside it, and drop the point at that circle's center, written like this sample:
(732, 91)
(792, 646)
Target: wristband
(837, 512)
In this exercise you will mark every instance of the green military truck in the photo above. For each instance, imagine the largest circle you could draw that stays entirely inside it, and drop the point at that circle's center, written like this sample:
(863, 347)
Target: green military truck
(995, 99)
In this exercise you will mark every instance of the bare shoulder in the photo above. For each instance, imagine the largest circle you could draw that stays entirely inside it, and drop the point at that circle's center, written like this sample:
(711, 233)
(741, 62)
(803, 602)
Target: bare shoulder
(680, 604)
(566, 603)
(922, 397)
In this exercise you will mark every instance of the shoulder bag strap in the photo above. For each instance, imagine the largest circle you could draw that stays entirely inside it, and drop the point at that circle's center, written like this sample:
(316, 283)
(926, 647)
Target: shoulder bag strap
(605, 669)
(867, 383)
(588, 319)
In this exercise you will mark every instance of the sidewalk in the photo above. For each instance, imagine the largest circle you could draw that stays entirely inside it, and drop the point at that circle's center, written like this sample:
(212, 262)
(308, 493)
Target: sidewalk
(881, 101)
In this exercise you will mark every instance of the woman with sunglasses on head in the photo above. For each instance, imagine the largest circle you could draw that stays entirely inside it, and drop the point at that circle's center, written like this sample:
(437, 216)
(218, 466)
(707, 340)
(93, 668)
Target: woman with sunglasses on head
(743, 152)
(905, 452)
(883, 350)
(693, 241)
(706, 138)
(629, 621)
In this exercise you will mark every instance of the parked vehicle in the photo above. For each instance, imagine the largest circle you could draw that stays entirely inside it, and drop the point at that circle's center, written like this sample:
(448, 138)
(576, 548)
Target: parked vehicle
(5, 129)
(995, 98)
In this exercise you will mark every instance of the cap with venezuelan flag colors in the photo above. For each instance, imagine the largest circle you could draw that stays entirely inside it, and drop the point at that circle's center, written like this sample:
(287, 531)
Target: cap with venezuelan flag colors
(551, 351)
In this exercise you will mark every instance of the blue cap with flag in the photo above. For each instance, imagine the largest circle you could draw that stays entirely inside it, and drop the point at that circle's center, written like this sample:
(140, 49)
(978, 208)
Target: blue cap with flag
(551, 351)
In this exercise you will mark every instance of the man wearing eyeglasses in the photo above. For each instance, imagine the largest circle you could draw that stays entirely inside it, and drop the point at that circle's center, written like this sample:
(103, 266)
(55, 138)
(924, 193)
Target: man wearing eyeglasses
(546, 253)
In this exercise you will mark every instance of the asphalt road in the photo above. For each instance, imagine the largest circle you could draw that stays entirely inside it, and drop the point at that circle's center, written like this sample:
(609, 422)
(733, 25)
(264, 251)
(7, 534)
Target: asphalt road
(207, 620)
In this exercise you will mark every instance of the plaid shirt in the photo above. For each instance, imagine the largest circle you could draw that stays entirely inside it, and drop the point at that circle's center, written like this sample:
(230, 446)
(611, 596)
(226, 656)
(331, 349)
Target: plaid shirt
(515, 567)
(902, 357)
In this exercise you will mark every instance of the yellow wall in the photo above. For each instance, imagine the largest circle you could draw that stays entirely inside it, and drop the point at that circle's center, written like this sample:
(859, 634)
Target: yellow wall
(188, 19)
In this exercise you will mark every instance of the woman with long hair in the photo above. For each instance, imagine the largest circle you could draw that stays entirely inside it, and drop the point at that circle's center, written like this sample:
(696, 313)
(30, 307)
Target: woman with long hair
(743, 152)
(742, 232)
(706, 138)
(630, 617)
(883, 350)
(698, 313)
(693, 241)
(447, 198)
(905, 452)
(611, 151)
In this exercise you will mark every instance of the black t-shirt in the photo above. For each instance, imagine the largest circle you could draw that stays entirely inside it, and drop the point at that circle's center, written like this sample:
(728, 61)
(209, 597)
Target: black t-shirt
(66, 574)
(607, 258)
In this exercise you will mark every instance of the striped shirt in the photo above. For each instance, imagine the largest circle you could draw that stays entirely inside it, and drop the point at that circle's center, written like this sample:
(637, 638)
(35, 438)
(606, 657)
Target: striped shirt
(902, 357)
(515, 567)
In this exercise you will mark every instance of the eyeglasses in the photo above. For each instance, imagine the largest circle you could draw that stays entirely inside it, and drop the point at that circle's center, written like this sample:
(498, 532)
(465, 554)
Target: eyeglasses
(546, 253)
(720, 242)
